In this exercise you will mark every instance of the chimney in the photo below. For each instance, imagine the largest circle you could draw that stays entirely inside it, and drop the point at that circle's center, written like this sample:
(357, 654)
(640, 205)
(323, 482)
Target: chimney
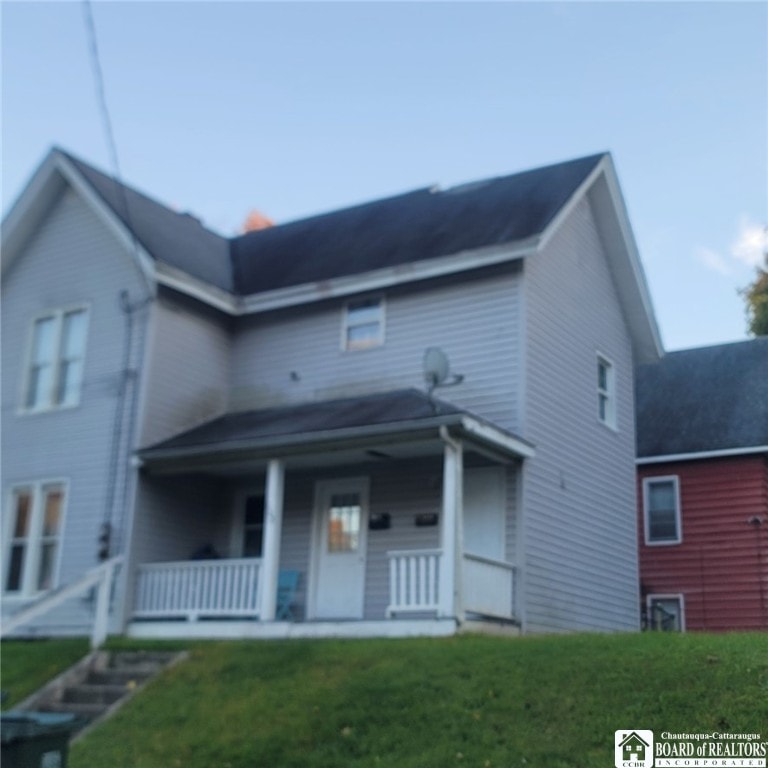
(256, 220)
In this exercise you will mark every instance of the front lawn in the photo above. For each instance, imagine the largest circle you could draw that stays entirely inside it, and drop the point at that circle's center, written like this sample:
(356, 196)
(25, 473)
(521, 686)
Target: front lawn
(464, 701)
(27, 665)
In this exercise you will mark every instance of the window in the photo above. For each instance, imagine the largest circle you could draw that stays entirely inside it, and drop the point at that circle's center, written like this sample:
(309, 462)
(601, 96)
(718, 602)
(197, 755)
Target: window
(34, 531)
(253, 526)
(606, 392)
(661, 503)
(344, 522)
(666, 613)
(56, 356)
(363, 324)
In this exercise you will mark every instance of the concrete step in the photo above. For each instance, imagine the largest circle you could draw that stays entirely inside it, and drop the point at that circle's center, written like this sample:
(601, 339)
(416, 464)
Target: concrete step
(127, 678)
(86, 711)
(140, 659)
(93, 694)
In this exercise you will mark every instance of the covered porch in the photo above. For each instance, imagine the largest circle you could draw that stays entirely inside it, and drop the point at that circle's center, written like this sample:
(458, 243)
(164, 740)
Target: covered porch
(386, 515)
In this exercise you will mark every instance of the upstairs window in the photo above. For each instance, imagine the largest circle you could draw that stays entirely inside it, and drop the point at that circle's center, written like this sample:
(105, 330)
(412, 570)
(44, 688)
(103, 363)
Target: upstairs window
(33, 538)
(606, 392)
(363, 324)
(661, 503)
(56, 356)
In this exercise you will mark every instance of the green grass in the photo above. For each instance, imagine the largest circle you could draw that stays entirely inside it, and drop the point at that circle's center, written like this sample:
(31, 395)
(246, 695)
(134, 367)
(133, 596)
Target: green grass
(465, 701)
(29, 664)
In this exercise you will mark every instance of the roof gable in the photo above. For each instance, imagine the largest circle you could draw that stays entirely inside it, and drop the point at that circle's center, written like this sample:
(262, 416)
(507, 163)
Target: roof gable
(704, 400)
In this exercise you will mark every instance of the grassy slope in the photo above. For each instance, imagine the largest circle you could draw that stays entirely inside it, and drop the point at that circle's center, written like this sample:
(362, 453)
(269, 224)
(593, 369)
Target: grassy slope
(466, 701)
(28, 665)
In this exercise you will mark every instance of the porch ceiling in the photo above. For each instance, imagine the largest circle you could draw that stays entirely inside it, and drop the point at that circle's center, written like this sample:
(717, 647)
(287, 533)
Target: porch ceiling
(396, 425)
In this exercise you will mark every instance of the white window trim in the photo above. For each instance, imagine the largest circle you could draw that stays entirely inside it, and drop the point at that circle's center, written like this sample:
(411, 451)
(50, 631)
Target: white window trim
(611, 419)
(654, 596)
(58, 313)
(675, 479)
(36, 487)
(345, 324)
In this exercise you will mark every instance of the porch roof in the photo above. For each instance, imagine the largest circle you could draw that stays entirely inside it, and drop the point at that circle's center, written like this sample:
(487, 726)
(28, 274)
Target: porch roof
(334, 425)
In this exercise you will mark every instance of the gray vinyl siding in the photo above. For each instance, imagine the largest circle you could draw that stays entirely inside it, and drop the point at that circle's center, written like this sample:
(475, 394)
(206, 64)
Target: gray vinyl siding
(73, 259)
(188, 364)
(296, 356)
(580, 547)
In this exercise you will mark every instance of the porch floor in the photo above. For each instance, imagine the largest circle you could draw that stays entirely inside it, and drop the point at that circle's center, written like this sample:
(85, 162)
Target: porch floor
(280, 630)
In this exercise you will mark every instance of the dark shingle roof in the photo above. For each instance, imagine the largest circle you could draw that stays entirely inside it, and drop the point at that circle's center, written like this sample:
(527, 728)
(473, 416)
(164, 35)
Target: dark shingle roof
(308, 421)
(177, 239)
(423, 224)
(705, 399)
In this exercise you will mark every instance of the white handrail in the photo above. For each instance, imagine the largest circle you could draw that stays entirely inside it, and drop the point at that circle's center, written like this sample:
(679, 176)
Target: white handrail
(102, 575)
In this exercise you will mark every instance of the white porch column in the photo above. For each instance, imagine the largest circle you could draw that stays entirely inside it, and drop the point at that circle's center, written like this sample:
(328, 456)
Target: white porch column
(451, 528)
(273, 523)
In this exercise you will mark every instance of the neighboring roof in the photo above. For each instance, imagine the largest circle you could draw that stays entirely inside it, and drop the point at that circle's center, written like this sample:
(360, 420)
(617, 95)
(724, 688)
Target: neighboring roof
(705, 400)
(423, 224)
(293, 426)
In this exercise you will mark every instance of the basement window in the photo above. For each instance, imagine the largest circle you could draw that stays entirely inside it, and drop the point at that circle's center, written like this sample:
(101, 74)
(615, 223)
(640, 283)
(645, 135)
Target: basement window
(363, 324)
(666, 613)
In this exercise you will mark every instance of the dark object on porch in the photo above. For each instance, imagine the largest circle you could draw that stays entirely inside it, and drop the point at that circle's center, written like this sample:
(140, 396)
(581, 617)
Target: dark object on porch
(33, 739)
(206, 552)
(287, 583)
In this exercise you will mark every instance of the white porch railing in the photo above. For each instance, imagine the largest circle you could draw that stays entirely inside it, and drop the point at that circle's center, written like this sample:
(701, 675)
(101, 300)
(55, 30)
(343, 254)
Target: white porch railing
(413, 580)
(489, 586)
(191, 589)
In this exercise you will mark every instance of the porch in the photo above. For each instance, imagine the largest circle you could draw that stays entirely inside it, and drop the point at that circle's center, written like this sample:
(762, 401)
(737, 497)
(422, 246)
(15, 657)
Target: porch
(409, 532)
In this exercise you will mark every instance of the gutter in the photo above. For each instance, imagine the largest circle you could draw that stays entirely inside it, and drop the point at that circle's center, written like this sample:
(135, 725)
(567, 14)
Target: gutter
(694, 456)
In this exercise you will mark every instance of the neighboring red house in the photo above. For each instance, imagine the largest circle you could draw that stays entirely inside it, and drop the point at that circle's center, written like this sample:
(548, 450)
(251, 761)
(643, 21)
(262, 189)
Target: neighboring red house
(702, 437)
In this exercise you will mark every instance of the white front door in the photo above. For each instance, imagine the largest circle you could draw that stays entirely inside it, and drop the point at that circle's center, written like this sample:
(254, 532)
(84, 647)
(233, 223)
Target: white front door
(341, 525)
(484, 512)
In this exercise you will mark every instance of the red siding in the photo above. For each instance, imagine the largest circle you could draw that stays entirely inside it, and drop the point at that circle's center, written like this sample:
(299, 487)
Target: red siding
(721, 565)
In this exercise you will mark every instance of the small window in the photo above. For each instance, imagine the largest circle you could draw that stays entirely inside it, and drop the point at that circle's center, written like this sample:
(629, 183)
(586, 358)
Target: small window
(363, 325)
(666, 613)
(34, 534)
(55, 370)
(606, 392)
(661, 502)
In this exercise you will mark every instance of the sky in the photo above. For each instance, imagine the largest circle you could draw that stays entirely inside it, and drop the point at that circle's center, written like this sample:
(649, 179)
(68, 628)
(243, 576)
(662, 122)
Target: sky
(298, 108)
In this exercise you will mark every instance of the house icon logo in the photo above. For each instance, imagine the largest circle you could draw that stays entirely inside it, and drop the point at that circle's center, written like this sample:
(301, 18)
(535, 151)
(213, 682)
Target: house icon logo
(633, 749)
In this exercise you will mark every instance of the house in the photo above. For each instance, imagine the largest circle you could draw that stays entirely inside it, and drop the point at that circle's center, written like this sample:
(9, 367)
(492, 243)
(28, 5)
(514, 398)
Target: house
(702, 436)
(633, 747)
(421, 406)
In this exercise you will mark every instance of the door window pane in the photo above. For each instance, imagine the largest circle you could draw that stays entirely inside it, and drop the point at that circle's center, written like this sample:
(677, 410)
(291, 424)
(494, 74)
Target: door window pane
(344, 523)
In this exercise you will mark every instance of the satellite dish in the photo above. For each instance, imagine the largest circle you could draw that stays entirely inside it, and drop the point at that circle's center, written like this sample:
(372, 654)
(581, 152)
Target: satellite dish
(437, 370)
